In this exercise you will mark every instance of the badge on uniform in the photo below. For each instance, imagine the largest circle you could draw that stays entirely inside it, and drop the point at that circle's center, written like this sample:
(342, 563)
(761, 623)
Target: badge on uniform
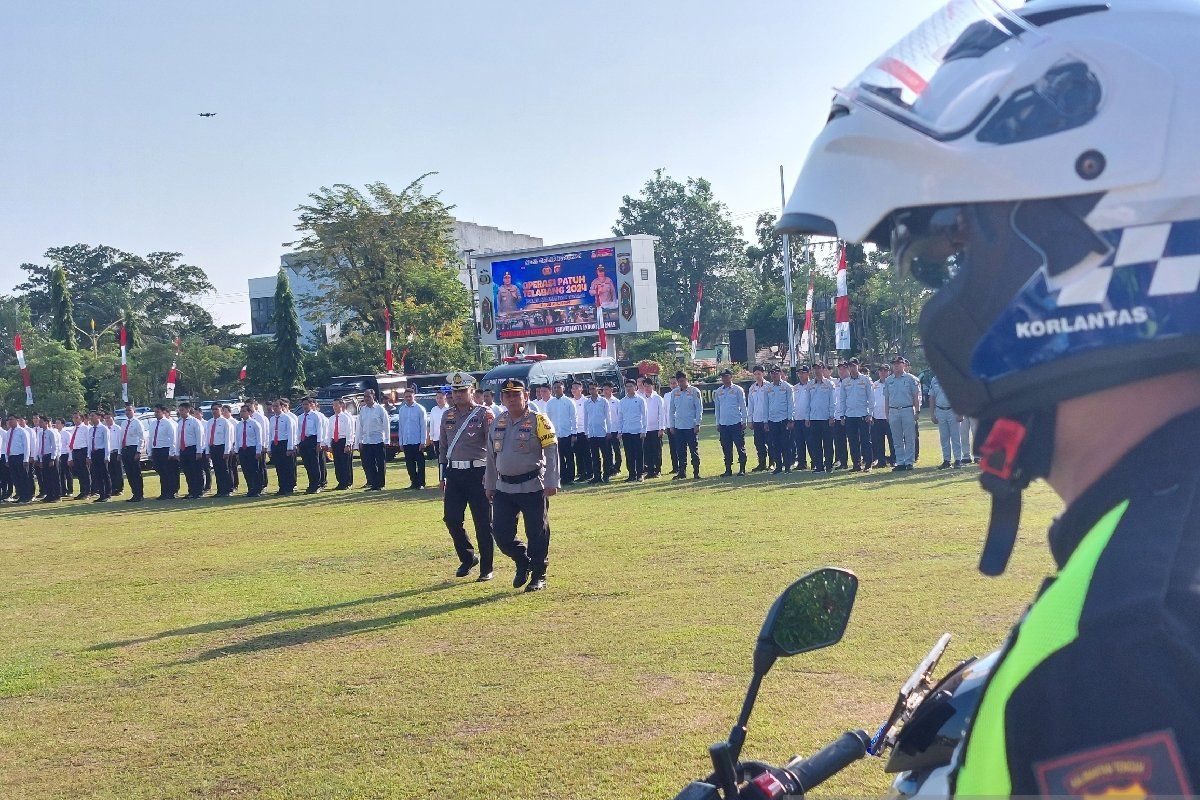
(1140, 767)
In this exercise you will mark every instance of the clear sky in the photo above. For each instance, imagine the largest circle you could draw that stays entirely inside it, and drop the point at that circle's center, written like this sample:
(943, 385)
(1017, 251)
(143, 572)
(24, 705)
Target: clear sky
(537, 116)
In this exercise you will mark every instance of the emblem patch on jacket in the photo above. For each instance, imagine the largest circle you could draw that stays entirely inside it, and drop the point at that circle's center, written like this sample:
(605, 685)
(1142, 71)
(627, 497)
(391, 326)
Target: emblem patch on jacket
(1140, 767)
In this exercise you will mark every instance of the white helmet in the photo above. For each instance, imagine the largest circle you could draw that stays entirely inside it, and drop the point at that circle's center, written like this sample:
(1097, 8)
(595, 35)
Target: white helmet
(1041, 167)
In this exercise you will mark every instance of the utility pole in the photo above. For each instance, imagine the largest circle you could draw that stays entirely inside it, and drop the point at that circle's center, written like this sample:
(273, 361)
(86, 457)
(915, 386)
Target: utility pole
(787, 285)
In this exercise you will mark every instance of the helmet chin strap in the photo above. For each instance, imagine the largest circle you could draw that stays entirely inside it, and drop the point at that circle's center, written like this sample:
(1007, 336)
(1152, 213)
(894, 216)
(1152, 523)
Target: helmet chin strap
(1016, 450)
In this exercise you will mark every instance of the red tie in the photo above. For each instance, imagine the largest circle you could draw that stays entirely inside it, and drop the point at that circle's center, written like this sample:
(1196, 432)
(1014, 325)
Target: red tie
(304, 427)
(211, 430)
(8, 449)
(73, 436)
(243, 433)
(336, 419)
(182, 430)
(157, 425)
(125, 435)
(276, 429)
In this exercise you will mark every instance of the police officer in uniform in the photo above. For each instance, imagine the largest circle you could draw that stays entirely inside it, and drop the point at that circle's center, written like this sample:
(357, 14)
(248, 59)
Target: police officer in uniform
(462, 458)
(942, 414)
(903, 393)
(731, 414)
(520, 478)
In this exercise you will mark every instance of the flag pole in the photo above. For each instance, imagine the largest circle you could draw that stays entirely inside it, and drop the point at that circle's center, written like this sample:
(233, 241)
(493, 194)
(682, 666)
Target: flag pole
(787, 285)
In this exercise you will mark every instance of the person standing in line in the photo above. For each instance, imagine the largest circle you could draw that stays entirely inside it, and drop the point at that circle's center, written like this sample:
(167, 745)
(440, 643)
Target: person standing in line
(413, 425)
(18, 450)
(219, 441)
(966, 434)
(632, 420)
(190, 446)
(687, 410)
(462, 463)
(800, 389)
(489, 400)
(948, 423)
(116, 473)
(731, 415)
(583, 450)
(203, 465)
(374, 429)
(322, 446)
(164, 454)
(656, 421)
(310, 432)
(779, 419)
(342, 443)
(249, 438)
(35, 456)
(561, 411)
(904, 404)
(595, 420)
(520, 478)
(133, 443)
(672, 439)
(857, 400)
(6, 488)
(263, 428)
(880, 430)
(434, 433)
(80, 437)
(49, 449)
(756, 403)
(231, 450)
(98, 455)
(65, 478)
(819, 421)
(838, 425)
(614, 436)
(283, 440)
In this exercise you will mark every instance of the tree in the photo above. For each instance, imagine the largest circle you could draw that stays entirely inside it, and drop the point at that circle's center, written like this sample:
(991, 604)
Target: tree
(62, 322)
(697, 243)
(379, 249)
(289, 357)
(355, 354)
(54, 372)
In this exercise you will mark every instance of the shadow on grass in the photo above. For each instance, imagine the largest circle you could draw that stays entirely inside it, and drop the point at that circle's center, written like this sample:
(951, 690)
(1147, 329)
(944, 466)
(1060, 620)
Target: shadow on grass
(273, 616)
(335, 630)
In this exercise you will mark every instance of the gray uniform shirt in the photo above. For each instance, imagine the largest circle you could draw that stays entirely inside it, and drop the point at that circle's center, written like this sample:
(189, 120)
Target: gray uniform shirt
(472, 443)
(903, 391)
(520, 446)
(856, 396)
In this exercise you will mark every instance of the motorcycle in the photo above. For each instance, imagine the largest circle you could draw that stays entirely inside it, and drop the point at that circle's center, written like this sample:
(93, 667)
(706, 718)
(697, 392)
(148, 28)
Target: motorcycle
(927, 724)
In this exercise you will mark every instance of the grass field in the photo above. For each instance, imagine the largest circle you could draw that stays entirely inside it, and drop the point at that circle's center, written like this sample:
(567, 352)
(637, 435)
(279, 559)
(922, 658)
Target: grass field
(319, 647)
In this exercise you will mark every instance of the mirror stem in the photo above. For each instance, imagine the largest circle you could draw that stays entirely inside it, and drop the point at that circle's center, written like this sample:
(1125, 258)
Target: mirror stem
(737, 736)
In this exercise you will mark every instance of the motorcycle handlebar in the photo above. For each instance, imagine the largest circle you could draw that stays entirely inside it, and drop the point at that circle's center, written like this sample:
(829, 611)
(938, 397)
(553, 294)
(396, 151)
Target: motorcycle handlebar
(828, 761)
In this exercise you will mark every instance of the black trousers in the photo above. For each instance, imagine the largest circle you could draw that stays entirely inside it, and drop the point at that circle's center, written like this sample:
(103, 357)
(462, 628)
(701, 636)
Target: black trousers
(760, 442)
(652, 452)
(101, 481)
(799, 450)
(566, 459)
(373, 464)
(414, 462)
(614, 445)
(464, 488)
(167, 469)
(66, 478)
(232, 466)
(601, 459)
(310, 452)
(839, 443)
(220, 468)
(858, 432)
(777, 443)
(6, 486)
(50, 484)
(583, 457)
(133, 470)
(285, 467)
(535, 508)
(685, 440)
(79, 466)
(193, 471)
(634, 446)
(732, 437)
(116, 473)
(673, 448)
(343, 464)
(820, 444)
(248, 456)
(22, 481)
(206, 472)
(881, 431)
(321, 462)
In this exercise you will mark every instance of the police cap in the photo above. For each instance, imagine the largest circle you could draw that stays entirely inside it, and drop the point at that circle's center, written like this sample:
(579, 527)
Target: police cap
(899, 360)
(804, 368)
(726, 371)
(757, 368)
(459, 380)
(512, 385)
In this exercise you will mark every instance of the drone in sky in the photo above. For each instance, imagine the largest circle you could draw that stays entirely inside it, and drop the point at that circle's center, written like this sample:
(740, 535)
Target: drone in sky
(207, 114)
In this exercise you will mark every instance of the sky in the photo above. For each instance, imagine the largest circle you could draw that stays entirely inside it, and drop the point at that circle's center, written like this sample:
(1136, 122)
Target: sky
(537, 117)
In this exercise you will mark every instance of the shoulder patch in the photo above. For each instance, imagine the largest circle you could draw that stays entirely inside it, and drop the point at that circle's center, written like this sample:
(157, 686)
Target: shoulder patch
(544, 430)
(1145, 765)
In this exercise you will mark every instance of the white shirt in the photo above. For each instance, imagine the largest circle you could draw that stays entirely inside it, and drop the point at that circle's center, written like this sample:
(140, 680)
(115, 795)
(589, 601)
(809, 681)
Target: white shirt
(309, 424)
(756, 401)
(345, 428)
(49, 443)
(435, 421)
(114, 437)
(191, 434)
(83, 435)
(632, 414)
(800, 399)
(655, 421)
(97, 440)
(580, 427)
(284, 430)
(220, 432)
(162, 435)
(65, 439)
(414, 423)
(878, 400)
(614, 412)
(374, 427)
(561, 411)
(248, 433)
(133, 434)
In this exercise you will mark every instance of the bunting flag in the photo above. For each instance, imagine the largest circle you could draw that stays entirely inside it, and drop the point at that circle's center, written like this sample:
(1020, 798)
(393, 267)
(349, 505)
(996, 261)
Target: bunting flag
(24, 369)
(124, 365)
(601, 333)
(173, 373)
(388, 363)
(696, 320)
(806, 334)
(841, 311)
(242, 374)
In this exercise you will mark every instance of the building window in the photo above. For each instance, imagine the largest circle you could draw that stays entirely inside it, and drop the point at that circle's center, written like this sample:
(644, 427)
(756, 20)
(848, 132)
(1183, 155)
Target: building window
(262, 315)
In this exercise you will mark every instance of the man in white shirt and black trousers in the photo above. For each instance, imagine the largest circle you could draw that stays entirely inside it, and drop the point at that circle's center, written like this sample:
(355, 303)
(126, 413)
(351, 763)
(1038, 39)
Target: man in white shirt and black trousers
(98, 458)
(284, 436)
(116, 471)
(80, 438)
(248, 438)
(49, 445)
(163, 454)
(374, 429)
(311, 431)
(342, 443)
(191, 442)
(133, 440)
(66, 481)
(220, 435)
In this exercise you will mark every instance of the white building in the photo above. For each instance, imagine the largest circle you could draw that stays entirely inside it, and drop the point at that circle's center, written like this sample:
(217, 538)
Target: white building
(470, 240)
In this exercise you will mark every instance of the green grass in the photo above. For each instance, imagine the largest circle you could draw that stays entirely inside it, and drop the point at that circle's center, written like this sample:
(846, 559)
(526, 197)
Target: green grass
(320, 647)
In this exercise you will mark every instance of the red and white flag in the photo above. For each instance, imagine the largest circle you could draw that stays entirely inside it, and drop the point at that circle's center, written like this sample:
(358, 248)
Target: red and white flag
(806, 334)
(696, 320)
(601, 333)
(172, 374)
(124, 365)
(24, 369)
(841, 310)
(242, 374)
(388, 364)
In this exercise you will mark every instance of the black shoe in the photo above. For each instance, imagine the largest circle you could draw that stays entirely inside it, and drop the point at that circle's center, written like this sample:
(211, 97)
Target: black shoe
(100, 500)
(678, 476)
(522, 577)
(898, 468)
(829, 471)
(537, 584)
(728, 473)
(79, 497)
(945, 465)
(465, 569)
(306, 491)
(595, 480)
(485, 577)
(254, 494)
(696, 475)
(759, 468)
(777, 471)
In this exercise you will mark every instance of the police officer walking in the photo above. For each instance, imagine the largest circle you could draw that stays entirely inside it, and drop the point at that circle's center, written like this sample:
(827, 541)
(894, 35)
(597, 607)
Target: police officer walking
(731, 413)
(462, 458)
(904, 404)
(520, 478)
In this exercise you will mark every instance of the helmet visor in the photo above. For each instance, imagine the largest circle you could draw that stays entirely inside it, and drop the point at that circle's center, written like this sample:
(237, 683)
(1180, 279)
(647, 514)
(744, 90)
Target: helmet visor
(933, 80)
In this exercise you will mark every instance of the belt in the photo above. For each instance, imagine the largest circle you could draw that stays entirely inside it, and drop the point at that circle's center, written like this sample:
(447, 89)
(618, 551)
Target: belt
(945, 408)
(468, 464)
(898, 408)
(528, 476)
